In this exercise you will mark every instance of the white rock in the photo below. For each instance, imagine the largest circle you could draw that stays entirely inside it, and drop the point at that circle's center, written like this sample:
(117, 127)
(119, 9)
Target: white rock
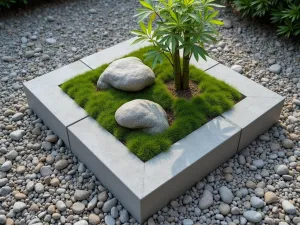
(288, 207)
(81, 222)
(287, 143)
(109, 204)
(258, 163)
(61, 206)
(281, 169)
(127, 74)
(17, 135)
(296, 102)
(253, 216)
(19, 206)
(51, 41)
(227, 23)
(78, 207)
(206, 200)
(39, 188)
(61, 164)
(2, 219)
(142, 114)
(226, 194)
(81, 195)
(6, 166)
(224, 209)
(124, 217)
(188, 222)
(275, 68)
(109, 220)
(46, 171)
(256, 202)
(237, 68)
(17, 116)
(92, 203)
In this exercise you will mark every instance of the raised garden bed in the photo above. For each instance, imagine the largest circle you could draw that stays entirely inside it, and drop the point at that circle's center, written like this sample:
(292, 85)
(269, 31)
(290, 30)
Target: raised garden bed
(145, 187)
(187, 110)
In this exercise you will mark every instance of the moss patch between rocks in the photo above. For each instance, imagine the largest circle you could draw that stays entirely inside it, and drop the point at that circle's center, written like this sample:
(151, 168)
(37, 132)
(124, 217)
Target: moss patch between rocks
(215, 98)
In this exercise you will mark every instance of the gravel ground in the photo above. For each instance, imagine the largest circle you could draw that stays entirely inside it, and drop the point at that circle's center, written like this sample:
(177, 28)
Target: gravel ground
(41, 182)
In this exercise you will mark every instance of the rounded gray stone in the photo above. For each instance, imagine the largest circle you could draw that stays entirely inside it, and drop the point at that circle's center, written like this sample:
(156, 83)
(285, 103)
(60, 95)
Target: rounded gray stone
(61, 164)
(253, 216)
(142, 114)
(281, 169)
(126, 74)
(256, 202)
(275, 68)
(109, 204)
(17, 135)
(288, 207)
(78, 207)
(81, 222)
(206, 200)
(109, 220)
(46, 171)
(6, 166)
(226, 194)
(80, 195)
(237, 68)
(19, 206)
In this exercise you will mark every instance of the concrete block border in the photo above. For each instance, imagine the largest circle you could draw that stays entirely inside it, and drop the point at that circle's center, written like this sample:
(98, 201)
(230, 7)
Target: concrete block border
(144, 188)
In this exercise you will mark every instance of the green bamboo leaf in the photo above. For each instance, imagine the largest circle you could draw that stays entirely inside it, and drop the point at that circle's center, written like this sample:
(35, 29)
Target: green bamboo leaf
(137, 32)
(173, 15)
(149, 27)
(217, 22)
(196, 17)
(143, 27)
(138, 40)
(146, 5)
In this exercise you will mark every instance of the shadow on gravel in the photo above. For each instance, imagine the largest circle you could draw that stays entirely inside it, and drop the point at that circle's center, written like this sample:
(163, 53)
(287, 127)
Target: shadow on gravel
(32, 4)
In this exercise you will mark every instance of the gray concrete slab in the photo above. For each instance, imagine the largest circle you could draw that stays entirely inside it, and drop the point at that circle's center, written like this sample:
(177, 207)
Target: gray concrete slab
(243, 84)
(254, 115)
(144, 188)
(117, 51)
(111, 162)
(51, 104)
(171, 173)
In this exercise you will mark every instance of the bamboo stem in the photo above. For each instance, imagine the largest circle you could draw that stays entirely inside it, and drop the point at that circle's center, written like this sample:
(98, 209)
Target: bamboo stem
(177, 69)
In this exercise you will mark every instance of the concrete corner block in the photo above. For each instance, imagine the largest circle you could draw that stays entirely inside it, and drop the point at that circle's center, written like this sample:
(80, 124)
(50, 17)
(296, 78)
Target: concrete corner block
(51, 104)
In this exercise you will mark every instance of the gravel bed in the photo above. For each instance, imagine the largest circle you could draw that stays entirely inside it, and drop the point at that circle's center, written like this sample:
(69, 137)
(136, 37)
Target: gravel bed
(42, 182)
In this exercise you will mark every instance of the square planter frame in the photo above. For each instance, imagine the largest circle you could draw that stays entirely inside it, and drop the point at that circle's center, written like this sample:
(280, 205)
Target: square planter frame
(144, 188)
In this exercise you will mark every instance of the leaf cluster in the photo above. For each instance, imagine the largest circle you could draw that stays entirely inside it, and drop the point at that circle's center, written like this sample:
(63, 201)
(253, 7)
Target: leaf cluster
(284, 13)
(9, 3)
(180, 24)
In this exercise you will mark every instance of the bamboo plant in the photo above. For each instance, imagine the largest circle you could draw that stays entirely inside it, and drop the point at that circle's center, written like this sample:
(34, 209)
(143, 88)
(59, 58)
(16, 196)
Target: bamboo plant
(177, 29)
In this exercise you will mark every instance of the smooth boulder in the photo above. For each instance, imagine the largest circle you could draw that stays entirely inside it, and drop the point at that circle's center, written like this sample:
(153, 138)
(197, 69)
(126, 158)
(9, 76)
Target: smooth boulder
(142, 114)
(127, 74)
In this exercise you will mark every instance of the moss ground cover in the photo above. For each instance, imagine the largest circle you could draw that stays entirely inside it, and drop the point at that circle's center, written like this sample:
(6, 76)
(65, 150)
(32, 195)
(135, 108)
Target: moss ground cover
(215, 97)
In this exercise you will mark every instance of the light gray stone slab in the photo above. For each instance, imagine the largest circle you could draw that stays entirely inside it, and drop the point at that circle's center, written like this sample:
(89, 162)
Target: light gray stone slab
(51, 104)
(244, 85)
(144, 188)
(118, 169)
(171, 173)
(117, 51)
(254, 115)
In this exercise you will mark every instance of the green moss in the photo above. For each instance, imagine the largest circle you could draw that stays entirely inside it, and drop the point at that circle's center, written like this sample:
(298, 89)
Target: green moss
(215, 98)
